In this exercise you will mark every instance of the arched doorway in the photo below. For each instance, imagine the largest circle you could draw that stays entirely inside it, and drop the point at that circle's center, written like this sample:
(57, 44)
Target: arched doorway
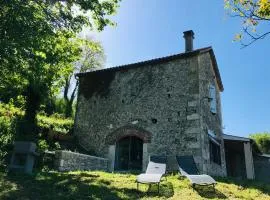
(129, 153)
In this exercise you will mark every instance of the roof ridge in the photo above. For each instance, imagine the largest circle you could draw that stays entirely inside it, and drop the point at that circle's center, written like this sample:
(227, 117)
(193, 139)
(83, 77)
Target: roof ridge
(146, 61)
(160, 60)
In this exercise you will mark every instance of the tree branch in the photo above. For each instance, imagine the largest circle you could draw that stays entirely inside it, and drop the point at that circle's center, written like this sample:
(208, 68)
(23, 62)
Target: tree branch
(72, 97)
(253, 38)
(66, 88)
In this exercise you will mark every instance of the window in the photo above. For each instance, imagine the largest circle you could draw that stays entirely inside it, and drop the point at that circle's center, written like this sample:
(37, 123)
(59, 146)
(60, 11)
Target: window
(215, 152)
(213, 100)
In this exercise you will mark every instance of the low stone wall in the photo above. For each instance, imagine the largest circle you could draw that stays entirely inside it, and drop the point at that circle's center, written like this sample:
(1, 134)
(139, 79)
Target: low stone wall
(262, 168)
(71, 161)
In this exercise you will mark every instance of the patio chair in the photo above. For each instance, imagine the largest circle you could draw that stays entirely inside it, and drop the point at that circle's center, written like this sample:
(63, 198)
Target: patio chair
(188, 168)
(156, 169)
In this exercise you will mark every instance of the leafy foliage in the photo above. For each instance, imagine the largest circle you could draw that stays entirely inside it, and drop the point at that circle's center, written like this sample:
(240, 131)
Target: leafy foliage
(6, 137)
(10, 116)
(263, 141)
(59, 106)
(92, 57)
(253, 13)
(39, 45)
(55, 122)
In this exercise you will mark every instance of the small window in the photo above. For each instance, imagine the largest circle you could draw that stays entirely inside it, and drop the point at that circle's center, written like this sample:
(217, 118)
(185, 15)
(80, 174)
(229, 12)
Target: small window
(213, 99)
(215, 153)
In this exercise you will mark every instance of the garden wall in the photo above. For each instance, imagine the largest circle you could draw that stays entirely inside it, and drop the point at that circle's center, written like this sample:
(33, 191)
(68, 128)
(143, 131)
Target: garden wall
(71, 161)
(262, 168)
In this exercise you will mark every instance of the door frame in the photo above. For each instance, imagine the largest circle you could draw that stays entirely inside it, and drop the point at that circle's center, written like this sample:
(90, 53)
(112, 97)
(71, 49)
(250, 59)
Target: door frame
(124, 131)
(117, 149)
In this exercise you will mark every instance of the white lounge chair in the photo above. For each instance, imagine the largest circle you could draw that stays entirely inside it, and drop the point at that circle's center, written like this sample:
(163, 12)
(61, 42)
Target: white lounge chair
(156, 169)
(188, 168)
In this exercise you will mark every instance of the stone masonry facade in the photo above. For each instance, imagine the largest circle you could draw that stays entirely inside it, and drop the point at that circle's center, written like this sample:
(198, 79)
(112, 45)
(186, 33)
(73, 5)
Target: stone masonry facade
(71, 161)
(208, 121)
(164, 102)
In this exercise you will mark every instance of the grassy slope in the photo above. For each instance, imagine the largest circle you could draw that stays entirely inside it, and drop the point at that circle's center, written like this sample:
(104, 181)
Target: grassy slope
(101, 185)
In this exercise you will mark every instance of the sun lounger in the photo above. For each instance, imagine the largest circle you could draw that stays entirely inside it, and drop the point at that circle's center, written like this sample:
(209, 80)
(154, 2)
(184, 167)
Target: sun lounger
(188, 168)
(155, 170)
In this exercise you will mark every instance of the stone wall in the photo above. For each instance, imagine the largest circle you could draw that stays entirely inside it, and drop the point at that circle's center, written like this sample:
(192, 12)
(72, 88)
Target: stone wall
(165, 104)
(71, 161)
(210, 121)
(160, 99)
(262, 168)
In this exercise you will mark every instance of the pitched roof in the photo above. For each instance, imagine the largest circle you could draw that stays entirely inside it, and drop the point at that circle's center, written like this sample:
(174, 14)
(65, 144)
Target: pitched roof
(236, 138)
(162, 60)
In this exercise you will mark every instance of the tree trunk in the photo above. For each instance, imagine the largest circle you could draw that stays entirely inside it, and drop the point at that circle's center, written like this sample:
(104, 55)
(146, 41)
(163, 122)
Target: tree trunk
(32, 105)
(68, 112)
(69, 101)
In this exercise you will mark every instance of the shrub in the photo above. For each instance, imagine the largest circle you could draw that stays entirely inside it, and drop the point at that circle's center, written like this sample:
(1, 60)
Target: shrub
(8, 117)
(263, 141)
(55, 122)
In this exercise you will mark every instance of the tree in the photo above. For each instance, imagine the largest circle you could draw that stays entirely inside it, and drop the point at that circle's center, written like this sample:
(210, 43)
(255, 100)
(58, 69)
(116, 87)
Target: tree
(38, 44)
(92, 57)
(253, 13)
(263, 141)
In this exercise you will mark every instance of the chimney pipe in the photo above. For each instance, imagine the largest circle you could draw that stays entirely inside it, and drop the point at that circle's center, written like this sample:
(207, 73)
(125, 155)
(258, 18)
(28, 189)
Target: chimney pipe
(189, 36)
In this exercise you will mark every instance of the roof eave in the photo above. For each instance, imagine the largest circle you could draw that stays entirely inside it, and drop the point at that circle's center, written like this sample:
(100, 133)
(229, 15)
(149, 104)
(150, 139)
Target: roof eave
(147, 62)
(236, 138)
(216, 70)
(166, 59)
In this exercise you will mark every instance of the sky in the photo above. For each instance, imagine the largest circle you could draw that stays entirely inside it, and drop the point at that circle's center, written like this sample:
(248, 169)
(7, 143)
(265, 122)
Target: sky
(149, 29)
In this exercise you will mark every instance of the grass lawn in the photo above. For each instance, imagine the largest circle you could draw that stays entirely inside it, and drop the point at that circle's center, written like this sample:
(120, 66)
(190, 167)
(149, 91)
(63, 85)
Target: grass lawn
(101, 185)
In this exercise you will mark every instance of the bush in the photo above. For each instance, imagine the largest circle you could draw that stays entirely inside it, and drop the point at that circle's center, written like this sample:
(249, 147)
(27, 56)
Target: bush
(55, 122)
(6, 137)
(263, 141)
(8, 117)
(57, 105)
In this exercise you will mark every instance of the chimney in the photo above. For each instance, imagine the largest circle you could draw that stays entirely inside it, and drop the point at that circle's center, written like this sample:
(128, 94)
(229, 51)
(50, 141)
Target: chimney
(189, 36)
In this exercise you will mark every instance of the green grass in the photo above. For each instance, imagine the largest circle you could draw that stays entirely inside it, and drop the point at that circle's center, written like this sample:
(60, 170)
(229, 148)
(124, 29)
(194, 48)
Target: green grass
(101, 185)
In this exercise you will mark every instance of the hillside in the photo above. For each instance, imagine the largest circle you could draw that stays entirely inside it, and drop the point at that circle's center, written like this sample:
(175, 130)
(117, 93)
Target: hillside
(101, 185)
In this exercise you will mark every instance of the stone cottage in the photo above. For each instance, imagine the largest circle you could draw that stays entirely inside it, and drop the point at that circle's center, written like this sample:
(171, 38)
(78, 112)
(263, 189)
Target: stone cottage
(165, 106)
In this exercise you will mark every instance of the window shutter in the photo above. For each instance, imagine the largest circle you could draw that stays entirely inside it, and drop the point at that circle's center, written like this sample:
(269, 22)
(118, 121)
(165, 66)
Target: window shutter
(213, 100)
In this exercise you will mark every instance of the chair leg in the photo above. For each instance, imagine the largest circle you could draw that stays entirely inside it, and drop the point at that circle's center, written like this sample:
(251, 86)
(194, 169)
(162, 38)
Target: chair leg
(158, 188)
(138, 186)
(214, 189)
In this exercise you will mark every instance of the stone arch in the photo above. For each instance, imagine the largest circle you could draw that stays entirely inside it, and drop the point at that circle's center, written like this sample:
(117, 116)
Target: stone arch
(125, 131)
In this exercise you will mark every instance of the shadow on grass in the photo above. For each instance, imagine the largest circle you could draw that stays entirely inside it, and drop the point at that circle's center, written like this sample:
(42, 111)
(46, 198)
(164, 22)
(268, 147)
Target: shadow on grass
(209, 192)
(62, 186)
(165, 190)
(89, 175)
(59, 186)
(247, 184)
(206, 191)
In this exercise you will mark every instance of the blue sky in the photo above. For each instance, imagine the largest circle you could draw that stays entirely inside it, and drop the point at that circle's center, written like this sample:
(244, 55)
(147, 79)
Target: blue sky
(154, 28)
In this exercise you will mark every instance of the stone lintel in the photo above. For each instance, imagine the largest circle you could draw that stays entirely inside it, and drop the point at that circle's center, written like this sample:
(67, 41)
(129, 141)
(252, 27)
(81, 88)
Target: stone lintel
(193, 130)
(194, 116)
(194, 145)
(192, 103)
